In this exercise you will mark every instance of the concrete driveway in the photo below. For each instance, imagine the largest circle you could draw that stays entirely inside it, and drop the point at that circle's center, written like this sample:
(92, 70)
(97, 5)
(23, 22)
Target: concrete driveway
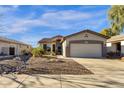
(102, 66)
(107, 73)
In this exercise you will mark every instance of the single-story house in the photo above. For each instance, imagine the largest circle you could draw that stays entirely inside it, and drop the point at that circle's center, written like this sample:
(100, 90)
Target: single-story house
(85, 43)
(52, 45)
(116, 44)
(12, 47)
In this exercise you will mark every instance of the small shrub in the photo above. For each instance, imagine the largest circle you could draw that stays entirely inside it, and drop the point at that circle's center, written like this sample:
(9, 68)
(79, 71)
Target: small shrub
(37, 52)
(113, 54)
(25, 52)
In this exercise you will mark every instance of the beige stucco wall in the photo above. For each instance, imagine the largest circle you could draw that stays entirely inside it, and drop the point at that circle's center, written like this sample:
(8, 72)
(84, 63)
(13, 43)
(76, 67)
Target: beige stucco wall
(122, 47)
(41, 45)
(64, 48)
(112, 48)
(22, 48)
(81, 36)
(4, 47)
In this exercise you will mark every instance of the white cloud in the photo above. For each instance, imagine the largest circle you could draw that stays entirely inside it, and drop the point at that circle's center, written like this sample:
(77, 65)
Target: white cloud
(66, 15)
(4, 9)
(7, 9)
(67, 19)
(15, 6)
(54, 20)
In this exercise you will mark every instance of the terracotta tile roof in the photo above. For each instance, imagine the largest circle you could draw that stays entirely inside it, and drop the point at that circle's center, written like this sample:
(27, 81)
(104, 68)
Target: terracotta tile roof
(48, 40)
(116, 38)
(58, 37)
(45, 40)
(11, 40)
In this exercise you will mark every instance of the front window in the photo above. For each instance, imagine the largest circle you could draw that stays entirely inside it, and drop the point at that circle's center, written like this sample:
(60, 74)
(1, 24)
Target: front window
(47, 47)
(4, 51)
(44, 46)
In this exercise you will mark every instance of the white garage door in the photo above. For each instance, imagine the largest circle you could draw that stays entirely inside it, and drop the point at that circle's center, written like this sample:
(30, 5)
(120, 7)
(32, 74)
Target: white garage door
(85, 50)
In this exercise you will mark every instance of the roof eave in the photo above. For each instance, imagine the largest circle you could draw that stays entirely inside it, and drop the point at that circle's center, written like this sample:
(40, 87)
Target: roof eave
(87, 30)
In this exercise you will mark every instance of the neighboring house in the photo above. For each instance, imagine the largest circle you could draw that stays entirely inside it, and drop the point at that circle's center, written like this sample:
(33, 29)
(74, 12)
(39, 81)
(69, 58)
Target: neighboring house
(52, 45)
(12, 47)
(86, 43)
(116, 44)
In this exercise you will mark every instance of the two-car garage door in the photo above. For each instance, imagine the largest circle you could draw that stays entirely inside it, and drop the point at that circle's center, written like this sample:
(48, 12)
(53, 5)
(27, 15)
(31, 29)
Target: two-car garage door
(85, 50)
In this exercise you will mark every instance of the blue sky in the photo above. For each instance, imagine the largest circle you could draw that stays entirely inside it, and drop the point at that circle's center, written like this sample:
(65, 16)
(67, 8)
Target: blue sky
(32, 23)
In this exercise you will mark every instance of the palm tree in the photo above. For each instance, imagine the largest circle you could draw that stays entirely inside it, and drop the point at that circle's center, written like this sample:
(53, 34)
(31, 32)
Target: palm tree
(116, 15)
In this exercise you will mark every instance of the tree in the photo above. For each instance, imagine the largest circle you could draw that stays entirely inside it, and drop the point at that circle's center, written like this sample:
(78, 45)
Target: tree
(107, 32)
(116, 15)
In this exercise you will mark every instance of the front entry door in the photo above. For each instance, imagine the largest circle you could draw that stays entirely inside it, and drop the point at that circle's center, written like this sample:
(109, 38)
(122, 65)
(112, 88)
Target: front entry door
(118, 49)
(11, 51)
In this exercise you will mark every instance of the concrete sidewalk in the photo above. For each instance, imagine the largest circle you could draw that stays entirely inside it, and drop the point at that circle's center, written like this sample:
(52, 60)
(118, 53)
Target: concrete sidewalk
(65, 81)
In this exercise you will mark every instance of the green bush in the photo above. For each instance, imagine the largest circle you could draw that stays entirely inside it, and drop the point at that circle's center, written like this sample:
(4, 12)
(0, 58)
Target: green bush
(37, 52)
(113, 54)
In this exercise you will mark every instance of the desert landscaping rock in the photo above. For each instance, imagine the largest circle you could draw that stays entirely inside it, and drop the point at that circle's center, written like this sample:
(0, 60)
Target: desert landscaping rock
(42, 65)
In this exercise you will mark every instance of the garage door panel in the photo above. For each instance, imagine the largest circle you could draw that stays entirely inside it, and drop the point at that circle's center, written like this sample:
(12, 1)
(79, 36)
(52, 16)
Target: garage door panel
(85, 50)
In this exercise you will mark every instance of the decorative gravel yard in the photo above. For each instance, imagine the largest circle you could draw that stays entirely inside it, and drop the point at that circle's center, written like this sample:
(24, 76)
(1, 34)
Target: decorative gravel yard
(50, 65)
